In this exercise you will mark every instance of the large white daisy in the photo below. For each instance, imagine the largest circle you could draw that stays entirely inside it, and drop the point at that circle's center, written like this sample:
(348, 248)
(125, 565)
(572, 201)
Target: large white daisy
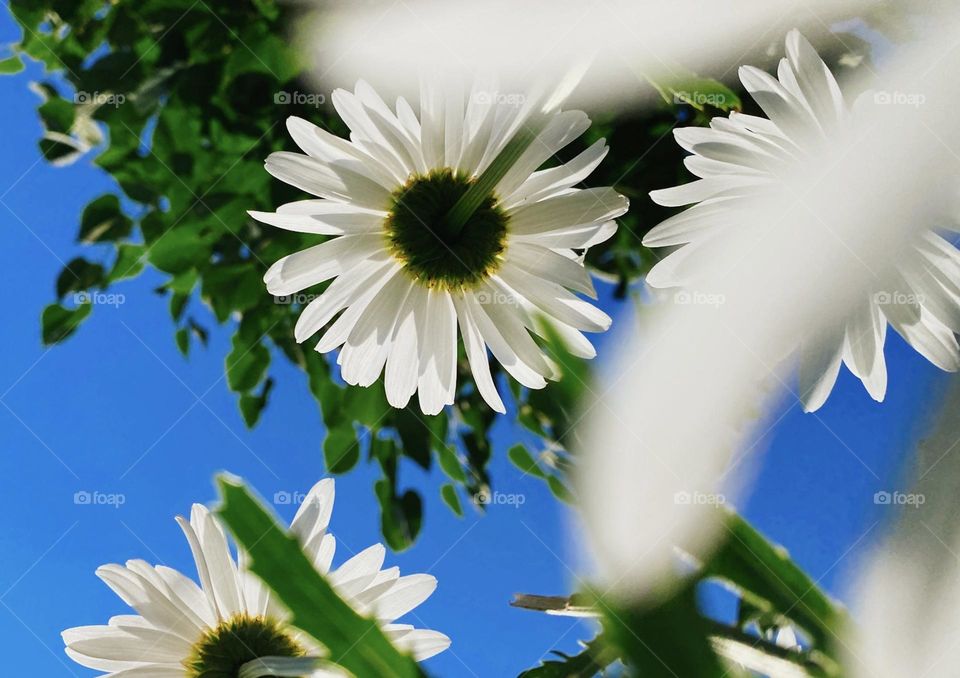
(185, 631)
(405, 280)
(739, 158)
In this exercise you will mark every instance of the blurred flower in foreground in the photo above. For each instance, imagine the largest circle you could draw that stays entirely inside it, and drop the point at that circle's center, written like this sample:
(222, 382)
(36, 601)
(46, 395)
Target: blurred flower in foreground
(186, 631)
(418, 248)
(907, 598)
(742, 156)
(623, 41)
(669, 428)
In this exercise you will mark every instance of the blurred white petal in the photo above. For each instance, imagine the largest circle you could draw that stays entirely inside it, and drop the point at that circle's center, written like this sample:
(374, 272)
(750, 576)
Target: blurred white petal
(804, 254)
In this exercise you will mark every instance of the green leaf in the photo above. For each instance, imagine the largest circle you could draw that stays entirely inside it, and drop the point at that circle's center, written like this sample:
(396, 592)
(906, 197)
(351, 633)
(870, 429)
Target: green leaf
(59, 322)
(183, 340)
(238, 287)
(449, 495)
(79, 275)
(594, 658)
(354, 642)
(11, 65)
(400, 517)
(663, 640)
(559, 490)
(251, 406)
(179, 249)
(102, 221)
(774, 585)
(522, 459)
(450, 463)
(246, 364)
(57, 114)
(341, 451)
(129, 262)
(681, 86)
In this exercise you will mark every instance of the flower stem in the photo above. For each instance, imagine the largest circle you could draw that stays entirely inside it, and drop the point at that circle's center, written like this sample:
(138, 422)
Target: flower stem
(479, 190)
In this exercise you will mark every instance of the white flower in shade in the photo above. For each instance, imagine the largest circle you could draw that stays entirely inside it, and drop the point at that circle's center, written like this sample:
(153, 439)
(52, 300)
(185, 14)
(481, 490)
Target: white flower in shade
(186, 631)
(741, 157)
(404, 281)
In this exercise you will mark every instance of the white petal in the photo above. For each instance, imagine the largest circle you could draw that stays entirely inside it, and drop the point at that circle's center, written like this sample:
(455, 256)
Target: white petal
(319, 263)
(400, 380)
(572, 209)
(819, 366)
(323, 217)
(549, 265)
(339, 180)
(406, 594)
(554, 300)
(421, 643)
(436, 383)
(477, 355)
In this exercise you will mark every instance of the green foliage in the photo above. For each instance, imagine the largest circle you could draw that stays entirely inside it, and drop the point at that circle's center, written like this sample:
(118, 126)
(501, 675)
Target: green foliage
(774, 590)
(354, 642)
(595, 657)
(671, 637)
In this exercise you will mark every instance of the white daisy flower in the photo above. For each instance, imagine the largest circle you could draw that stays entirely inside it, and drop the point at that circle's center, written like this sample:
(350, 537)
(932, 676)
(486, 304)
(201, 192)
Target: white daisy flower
(741, 158)
(186, 631)
(406, 280)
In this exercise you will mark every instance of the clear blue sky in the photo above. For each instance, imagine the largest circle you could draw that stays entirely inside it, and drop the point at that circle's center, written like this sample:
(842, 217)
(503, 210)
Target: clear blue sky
(117, 410)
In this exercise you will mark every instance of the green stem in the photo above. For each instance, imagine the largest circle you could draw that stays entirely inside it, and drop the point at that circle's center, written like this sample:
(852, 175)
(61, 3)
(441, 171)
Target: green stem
(482, 188)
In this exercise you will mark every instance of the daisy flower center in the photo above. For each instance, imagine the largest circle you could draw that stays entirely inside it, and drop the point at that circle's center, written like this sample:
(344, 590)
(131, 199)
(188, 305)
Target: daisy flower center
(427, 245)
(223, 650)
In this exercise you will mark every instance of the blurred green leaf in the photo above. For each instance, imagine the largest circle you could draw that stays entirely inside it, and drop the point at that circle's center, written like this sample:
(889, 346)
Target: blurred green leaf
(102, 220)
(522, 459)
(354, 642)
(59, 322)
(341, 450)
(10, 65)
(449, 495)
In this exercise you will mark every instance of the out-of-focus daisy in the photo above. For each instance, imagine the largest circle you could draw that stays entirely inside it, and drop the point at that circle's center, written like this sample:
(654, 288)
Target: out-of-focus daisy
(405, 280)
(742, 157)
(185, 631)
